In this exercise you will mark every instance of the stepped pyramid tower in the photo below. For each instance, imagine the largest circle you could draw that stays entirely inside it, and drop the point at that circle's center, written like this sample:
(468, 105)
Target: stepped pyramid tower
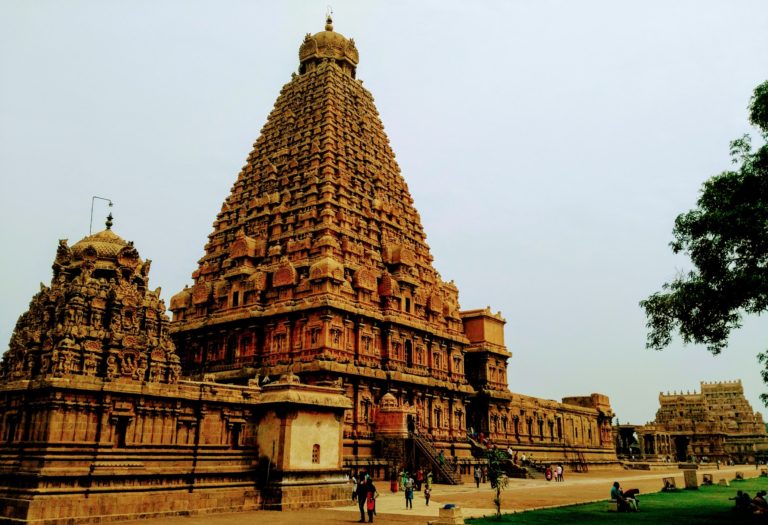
(318, 265)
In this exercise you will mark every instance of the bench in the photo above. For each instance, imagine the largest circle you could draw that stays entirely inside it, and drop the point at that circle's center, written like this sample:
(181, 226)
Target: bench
(668, 484)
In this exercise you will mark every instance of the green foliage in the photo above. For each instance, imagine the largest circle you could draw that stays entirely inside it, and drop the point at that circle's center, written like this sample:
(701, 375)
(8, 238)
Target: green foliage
(496, 475)
(706, 506)
(726, 237)
(758, 108)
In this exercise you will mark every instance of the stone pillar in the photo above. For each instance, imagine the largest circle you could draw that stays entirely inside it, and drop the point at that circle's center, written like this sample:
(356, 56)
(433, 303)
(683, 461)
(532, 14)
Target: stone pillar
(449, 516)
(359, 325)
(326, 318)
(691, 482)
(289, 336)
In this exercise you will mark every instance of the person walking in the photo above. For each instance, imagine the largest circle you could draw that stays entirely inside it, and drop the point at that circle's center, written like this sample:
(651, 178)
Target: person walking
(477, 476)
(409, 483)
(362, 495)
(560, 472)
(370, 499)
(393, 482)
(427, 494)
(419, 478)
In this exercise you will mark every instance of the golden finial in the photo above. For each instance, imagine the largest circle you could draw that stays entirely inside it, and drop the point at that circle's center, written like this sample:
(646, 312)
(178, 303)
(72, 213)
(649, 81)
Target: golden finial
(329, 19)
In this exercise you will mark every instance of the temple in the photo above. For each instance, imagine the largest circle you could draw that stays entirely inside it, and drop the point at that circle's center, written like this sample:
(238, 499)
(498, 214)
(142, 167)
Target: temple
(97, 423)
(316, 337)
(715, 424)
(318, 264)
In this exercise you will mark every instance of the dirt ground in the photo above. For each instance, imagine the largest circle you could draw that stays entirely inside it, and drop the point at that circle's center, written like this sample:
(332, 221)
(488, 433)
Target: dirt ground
(520, 495)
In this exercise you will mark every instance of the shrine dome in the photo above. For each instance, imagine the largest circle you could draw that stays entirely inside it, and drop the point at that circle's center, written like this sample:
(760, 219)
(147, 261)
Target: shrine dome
(328, 44)
(106, 243)
(105, 246)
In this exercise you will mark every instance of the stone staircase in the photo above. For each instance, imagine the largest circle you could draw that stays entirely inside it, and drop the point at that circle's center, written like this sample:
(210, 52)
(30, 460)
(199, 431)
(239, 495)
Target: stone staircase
(444, 469)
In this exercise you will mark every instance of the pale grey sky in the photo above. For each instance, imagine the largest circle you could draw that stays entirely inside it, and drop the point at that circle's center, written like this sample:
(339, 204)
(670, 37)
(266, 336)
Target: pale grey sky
(548, 146)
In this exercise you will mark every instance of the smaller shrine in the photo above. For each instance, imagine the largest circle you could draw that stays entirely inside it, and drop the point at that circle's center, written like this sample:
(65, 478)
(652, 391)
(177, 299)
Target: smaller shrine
(97, 423)
(98, 319)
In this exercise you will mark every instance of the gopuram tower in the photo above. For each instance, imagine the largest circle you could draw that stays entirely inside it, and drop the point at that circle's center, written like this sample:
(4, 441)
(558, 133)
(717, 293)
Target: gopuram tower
(318, 265)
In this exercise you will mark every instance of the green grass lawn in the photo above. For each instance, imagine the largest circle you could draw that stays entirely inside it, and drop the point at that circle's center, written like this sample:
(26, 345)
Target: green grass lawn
(706, 506)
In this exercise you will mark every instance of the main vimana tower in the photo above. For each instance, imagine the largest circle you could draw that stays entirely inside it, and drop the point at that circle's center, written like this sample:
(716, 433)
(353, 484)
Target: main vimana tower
(318, 264)
(316, 337)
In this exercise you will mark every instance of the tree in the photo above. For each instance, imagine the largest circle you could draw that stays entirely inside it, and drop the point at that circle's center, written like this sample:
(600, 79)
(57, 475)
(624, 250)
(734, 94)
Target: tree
(496, 475)
(726, 237)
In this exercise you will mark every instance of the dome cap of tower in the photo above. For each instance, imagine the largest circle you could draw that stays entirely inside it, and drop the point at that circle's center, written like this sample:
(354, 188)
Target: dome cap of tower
(106, 243)
(106, 246)
(328, 44)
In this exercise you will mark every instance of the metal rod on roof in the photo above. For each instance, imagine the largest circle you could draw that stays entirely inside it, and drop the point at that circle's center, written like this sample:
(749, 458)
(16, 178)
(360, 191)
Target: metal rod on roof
(90, 226)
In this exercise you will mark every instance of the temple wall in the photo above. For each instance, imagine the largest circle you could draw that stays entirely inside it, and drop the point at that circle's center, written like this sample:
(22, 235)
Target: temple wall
(80, 449)
(310, 430)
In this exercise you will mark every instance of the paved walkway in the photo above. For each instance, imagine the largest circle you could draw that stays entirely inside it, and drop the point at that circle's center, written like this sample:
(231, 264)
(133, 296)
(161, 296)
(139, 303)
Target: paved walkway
(522, 494)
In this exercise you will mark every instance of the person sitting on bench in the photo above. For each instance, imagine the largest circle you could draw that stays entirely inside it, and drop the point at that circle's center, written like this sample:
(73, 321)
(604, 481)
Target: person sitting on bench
(625, 501)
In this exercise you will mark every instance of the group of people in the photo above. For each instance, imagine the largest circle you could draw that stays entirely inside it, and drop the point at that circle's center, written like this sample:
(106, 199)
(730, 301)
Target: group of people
(554, 472)
(747, 505)
(407, 483)
(364, 491)
(365, 494)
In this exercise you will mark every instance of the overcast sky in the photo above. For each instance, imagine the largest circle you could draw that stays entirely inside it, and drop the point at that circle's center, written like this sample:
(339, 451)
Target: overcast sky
(548, 147)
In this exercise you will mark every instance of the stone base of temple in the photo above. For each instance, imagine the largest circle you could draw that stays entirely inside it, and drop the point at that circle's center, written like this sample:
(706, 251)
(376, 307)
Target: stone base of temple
(293, 493)
(59, 509)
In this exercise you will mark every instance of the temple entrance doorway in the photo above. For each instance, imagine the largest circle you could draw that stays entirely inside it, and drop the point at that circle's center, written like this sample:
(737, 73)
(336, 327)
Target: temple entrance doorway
(681, 448)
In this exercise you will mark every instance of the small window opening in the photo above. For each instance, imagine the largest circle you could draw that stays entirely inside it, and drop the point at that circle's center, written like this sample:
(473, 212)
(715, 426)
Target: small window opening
(237, 430)
(315, 453)
(10, 432)
(121, 430)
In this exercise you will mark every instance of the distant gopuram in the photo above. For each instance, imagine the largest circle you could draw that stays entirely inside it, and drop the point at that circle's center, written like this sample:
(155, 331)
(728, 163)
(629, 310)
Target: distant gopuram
(715, 424)
(318, 264)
